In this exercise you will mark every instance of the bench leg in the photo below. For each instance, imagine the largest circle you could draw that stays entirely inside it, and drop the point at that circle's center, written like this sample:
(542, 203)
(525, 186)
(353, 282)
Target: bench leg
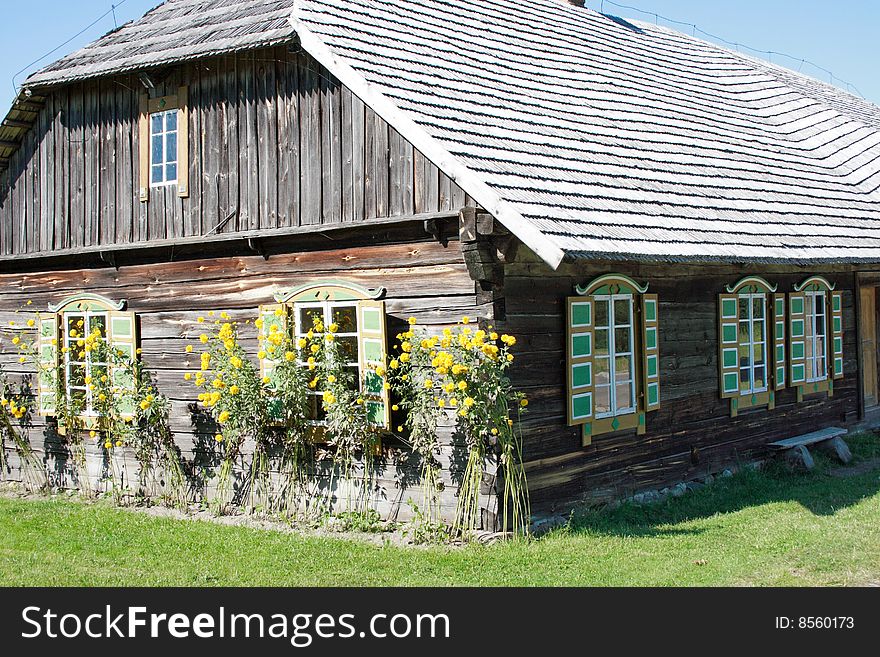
(799, 459)
(837, 448)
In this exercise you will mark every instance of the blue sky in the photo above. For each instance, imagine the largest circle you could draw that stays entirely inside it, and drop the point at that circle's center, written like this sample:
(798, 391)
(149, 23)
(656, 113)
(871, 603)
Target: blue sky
(841, 36)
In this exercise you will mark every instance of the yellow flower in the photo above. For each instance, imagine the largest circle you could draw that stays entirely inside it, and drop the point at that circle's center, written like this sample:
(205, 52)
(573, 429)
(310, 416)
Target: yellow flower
(211, 313)
(429, 383)
(102, 397)
(463, 412)
(494, 431)
(219, 437)
(187, 377)
(261, 354)
(200, 320)
(289, 356)
(29, 303)
(333, 327)
(524, 403)
(108, 445)
(218, 383)
(329, 337)
(234, 390)
(144, 405)
(267, 380)
(279, 311)
(453, 401)
(259, 323)
(235, 361)
(509, 358)
(387, 386)
(204, 338)
(224, 315)
(329, 398)
(380, 370)
(404, 358)
(406, 347)
(465, 320)
(510, 423)
(223, 417)
(229, 344)
(359, 401)
(301, 343)
(189, 349)
(313, 383)
(315, 348)
(441, 403)
(394, 364)
(103, 378)
(331, 379)
(468, 401)
(119, 443)
(21, 359)
(93, 433)
(15, 340)
(395, 407)
(399, 429)
(31, 323)
(412, 321)
(462, 385)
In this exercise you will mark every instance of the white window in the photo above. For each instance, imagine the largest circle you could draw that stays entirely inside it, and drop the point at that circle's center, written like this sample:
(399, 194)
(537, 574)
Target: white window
(816, 344)
(163, 148)
(752, 343)
(614, 360)
(321, 314)
(80, 365)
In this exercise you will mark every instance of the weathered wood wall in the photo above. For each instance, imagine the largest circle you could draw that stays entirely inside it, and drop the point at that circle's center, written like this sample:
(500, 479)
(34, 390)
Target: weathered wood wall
(423, 279)
(275, 141)
(692, 434)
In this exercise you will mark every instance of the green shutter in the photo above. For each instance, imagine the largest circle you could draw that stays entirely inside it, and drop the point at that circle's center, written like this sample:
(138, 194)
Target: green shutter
(579, 363)
(122, 338)
(372, 341)
(47, 348)
(837, 335)
(274, 314)
(778, 333)
(728, 344)
(650, 352)
(797, 364)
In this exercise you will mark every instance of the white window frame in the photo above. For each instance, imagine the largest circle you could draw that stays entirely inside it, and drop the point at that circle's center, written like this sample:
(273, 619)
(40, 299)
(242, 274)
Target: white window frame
(71, 344)
(812, 321)
(164, 134)
(326, 308)
(613, 355)
(750, 321)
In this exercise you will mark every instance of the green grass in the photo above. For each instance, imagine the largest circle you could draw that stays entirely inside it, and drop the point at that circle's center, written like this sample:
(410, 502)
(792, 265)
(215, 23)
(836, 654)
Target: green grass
(756, 528)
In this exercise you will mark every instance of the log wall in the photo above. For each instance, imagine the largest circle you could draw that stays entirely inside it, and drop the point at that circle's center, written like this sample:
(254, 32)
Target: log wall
(274, 142)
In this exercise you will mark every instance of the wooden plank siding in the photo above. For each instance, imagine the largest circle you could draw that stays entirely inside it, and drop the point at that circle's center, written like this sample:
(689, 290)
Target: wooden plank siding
(275, 141)
(422, 279)
(692, 434)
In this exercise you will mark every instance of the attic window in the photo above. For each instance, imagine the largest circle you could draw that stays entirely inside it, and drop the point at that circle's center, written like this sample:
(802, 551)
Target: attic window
(163, 148)
(163, 141)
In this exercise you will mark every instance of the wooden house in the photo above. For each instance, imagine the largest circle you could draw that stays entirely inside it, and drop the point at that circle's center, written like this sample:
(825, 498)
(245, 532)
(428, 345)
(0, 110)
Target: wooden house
(685, 240)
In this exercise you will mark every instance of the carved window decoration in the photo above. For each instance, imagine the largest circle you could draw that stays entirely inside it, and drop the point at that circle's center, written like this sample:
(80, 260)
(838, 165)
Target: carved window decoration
(361, 337)
(163, 137)
(613, 365)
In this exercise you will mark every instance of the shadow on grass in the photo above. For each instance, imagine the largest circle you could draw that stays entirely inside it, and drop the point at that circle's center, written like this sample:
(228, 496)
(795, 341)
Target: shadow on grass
(816, 491)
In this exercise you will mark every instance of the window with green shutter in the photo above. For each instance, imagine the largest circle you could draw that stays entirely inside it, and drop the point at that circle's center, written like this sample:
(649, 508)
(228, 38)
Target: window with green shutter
(751, 366)
(613, 363)
(361, 337)
(815, 332)
(62, 350)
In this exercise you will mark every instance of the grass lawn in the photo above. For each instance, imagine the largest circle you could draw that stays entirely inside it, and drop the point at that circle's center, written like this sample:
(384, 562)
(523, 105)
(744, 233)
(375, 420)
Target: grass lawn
(756, 528)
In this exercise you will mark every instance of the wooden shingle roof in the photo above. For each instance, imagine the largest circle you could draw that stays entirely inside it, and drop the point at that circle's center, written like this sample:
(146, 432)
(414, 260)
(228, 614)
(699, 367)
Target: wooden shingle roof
(587, 135)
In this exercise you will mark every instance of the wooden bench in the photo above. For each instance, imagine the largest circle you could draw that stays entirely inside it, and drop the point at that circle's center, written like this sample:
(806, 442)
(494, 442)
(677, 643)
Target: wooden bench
(808, 439)
(794, 450)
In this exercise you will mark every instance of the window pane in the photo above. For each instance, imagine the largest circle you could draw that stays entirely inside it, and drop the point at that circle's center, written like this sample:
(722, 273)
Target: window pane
(601, 342)
(155, 124)
(77, 376)
(98, 322)
(745, 355)
(758, 331)
(346, 319)
(759, 378)
(603, 399)
(745, 384)
(171, 148)
(622, 365)
(621, 340)
(743, 308)
(759, 353)
(348, 349)
(78, 397)
(624, 395)
(171, 120)
(758, 308)
(171, 173)
(621, 312)
(601, 312)
(307, 317)
(100, 370)
(157, 174)
(156, 157)
(602, 373)
(744, 332)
